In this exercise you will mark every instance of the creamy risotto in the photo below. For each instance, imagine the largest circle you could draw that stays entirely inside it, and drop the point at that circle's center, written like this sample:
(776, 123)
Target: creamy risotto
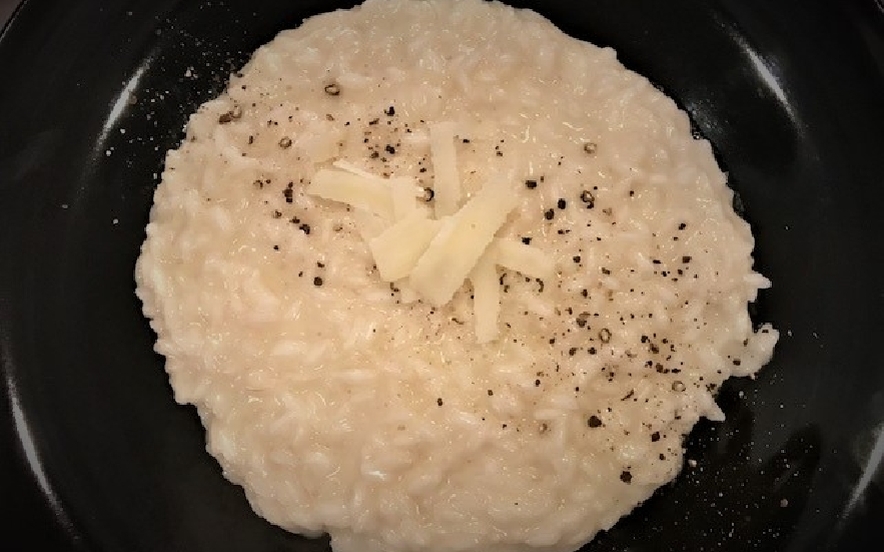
(437, 276)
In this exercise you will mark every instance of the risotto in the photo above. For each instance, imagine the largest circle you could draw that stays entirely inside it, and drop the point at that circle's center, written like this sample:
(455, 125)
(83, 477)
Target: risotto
(437, 276)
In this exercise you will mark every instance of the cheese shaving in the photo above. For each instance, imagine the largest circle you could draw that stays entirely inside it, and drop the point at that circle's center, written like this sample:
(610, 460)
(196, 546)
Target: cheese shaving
(369, 193)
(486, 298)
(354, 169)
(446, 183)
(369, 225)
(397, 249)
(404, 195)
(460, 243)
(522, 258)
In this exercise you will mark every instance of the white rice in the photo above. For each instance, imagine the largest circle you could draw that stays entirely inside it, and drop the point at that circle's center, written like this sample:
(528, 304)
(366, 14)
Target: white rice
(341, 409)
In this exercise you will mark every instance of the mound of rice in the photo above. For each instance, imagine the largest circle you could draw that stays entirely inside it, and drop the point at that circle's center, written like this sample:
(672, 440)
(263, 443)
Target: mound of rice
(340, 405)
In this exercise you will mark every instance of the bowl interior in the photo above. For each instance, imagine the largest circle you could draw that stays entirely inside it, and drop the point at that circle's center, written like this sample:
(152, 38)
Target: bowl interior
(790, 99)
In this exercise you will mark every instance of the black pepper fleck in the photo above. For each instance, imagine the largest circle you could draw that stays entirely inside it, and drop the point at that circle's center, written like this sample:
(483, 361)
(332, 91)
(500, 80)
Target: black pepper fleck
(582, 319)
(233, 114)
(605, 335)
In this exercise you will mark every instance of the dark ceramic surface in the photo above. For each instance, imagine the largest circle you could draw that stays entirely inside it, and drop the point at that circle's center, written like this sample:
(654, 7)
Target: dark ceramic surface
(95, 455)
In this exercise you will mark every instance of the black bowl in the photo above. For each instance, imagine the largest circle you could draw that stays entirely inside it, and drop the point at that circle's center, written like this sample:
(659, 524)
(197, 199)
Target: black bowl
(96, 456)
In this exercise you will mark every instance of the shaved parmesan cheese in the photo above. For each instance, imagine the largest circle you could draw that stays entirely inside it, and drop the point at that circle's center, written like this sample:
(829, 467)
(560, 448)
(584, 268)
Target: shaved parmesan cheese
(369, 225)
(460, 243)
(369, 193)
(404, 193)
(351, 168)
(427, 258)
(522, 258)
(486, 298)
(397, 249)
(446, 183)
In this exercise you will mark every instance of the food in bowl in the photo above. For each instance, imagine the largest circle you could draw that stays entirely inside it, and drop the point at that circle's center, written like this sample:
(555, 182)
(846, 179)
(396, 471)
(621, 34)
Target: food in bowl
(438, 276)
